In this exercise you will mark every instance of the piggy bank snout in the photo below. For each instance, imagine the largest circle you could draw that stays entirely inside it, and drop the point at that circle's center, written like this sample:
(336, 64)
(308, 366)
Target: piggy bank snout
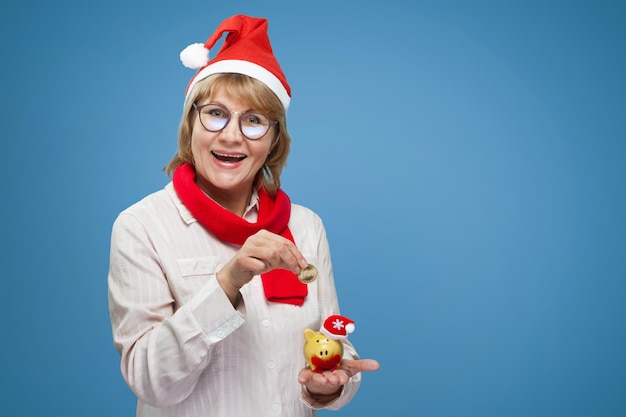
(326, 350)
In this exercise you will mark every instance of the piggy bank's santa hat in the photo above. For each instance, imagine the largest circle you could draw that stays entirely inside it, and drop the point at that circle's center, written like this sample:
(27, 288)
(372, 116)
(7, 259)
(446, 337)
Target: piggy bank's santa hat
(337, 327)
(246, 50)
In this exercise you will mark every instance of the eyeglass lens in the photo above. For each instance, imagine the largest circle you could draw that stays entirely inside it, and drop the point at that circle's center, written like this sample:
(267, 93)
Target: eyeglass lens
(253, 125)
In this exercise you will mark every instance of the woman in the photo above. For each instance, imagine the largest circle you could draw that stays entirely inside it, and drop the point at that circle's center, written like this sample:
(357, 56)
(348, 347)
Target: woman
(206, 308)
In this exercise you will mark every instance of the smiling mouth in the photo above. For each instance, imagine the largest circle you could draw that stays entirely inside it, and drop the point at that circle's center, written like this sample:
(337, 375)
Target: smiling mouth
(228, 158)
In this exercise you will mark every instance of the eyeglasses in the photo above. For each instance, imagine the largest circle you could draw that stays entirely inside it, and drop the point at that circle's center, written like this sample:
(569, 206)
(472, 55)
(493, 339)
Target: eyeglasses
(253, 125)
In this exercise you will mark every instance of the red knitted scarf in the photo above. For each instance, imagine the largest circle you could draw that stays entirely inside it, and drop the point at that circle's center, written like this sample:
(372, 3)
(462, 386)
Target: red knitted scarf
(280, 285)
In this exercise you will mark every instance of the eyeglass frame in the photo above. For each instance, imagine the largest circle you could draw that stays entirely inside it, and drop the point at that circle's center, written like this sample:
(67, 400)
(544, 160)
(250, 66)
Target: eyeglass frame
(272, 122)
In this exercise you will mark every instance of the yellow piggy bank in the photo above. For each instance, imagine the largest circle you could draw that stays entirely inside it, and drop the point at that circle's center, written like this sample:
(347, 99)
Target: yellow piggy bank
(323, 350)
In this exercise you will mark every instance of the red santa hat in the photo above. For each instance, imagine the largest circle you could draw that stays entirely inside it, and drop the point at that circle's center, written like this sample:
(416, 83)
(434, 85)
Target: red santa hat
(337, 327)
(246, 50)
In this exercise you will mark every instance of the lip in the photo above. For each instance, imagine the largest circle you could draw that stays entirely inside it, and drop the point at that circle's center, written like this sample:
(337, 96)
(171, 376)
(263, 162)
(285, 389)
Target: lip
(228, 159)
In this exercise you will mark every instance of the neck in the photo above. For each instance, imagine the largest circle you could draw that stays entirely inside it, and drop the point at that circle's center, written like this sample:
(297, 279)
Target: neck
(234, 201)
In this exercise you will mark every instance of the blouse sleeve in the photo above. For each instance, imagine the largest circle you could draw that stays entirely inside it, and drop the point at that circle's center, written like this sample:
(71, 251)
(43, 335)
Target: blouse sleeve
(329, 305)
(163, 350)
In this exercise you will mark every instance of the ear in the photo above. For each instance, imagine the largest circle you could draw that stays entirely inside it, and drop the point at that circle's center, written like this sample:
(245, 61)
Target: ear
(309, 334)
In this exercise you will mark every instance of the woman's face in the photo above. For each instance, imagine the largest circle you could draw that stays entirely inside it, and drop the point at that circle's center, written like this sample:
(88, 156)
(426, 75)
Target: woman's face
(227, 162)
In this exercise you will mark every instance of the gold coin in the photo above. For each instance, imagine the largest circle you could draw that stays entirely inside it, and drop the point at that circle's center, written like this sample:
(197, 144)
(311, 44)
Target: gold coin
(308, 274)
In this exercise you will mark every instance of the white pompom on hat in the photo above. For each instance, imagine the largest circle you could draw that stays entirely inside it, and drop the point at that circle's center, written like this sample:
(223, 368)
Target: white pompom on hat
(246, 50)
(337, 327)
(195, 56)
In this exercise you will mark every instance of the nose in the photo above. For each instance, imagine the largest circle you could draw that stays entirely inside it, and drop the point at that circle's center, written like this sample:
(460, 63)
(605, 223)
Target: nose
(231, 131)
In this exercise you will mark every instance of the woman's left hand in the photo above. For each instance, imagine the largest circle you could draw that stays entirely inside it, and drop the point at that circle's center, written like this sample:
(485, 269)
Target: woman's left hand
(329, 383)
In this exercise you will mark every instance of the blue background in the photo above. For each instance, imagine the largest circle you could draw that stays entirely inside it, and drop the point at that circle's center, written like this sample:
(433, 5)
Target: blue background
(467, 159)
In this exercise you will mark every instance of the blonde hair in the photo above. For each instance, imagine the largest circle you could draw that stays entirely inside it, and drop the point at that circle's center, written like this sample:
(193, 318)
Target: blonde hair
(250, 91)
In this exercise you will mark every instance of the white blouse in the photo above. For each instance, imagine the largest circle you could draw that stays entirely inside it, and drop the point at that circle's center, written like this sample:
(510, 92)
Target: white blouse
(185, 350)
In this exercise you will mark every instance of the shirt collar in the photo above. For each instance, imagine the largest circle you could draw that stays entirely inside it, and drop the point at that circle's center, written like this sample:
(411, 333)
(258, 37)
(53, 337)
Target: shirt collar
(251, 213)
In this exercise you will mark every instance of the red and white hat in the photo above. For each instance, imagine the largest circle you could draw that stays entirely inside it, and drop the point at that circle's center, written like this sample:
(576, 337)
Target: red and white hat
(246, 50)
(337, 327)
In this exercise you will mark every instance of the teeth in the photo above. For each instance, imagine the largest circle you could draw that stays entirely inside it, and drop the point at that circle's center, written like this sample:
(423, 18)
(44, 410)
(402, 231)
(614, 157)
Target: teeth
(229, 157)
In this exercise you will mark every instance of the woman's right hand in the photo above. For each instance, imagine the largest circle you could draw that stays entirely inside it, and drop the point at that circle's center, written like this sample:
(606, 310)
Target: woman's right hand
(260, 253)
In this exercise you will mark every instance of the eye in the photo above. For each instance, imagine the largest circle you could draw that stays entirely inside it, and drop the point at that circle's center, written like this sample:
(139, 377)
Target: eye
(253, 119)
(215, 112)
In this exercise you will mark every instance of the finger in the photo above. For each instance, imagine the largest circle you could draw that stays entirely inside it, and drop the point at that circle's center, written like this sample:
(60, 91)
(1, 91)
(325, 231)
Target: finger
(337, 377)
(305, 375)
(276, 252)
(361, 365)
(287, 250)
(248, 264)
(289, 257)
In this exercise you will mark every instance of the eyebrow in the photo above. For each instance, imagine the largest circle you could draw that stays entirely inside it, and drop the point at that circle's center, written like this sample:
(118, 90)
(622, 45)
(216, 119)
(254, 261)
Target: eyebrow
(218, 103)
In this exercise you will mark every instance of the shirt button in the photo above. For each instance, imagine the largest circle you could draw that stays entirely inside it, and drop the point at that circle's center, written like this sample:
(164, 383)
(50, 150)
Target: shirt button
(276, 407)
(266, 323)
(271, 364)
